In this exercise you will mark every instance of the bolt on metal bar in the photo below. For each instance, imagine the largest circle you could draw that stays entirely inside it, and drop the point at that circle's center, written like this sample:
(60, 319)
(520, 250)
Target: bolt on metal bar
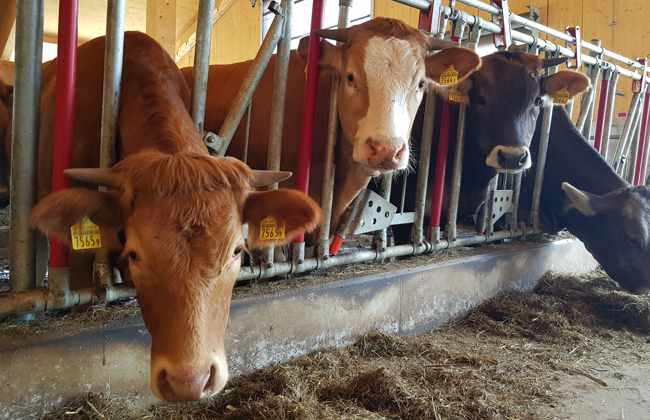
(27, 99)
(201, 63)
(609, 113)
(417, 231)
(329, 169)
(245, 94)
(628, 127)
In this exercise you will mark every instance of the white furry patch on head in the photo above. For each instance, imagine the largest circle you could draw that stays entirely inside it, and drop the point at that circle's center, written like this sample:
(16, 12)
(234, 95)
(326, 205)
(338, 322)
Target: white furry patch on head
(493, 159)
(394, 68)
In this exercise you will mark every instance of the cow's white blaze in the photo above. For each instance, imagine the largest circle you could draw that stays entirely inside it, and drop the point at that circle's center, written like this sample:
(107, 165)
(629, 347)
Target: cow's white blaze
(394, 68)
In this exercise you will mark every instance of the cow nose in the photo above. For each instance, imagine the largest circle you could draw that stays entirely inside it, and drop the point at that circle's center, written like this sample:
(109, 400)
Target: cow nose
(385, 152)
(509, 160)
(186, 384)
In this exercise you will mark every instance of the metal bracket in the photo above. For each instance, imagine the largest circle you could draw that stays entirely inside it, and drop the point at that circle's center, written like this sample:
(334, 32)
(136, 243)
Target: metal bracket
(253, 3)
(458, 27)
(639, 85)
(501, 204)
(475, 33)
(374, 213)
(215, 143)
(505, 38)
(534, 14)
(574, 31)
(275, 8)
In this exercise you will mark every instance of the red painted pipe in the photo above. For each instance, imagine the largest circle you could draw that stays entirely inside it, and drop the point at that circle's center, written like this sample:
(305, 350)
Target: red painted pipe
(600, 121)
(66, 77)
(441, 166)
(309, 106)
(643, 140)
(424, 20)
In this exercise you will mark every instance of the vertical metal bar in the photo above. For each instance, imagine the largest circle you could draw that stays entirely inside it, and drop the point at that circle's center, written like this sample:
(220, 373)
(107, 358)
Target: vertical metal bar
(644, 167)
(332, 136)
(417, 232)
(380, 238)
(278, 106)
(113, 60)
(634, 148)
(643, 139)
(609, 113)
(456, 177)
(628, 128)
(403, 199)
(602, 109)
(441, 166)
(201, 62)
(629, 154)
(516, 192)
(595, 74)
(541, 165)
(27, 100)
(247, 134)
(488, 207)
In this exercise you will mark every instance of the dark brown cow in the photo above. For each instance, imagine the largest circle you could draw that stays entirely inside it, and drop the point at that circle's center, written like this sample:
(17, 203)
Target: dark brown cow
(384, 67)
(6, 111)
(181, 211)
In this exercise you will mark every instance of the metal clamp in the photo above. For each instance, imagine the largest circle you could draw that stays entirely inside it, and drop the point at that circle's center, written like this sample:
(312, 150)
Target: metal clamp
(475, 33)
(458, 27)
(275, 8)
(429, 20)
(638, 85)
(505, 38)
(215, 143)
(574, 31)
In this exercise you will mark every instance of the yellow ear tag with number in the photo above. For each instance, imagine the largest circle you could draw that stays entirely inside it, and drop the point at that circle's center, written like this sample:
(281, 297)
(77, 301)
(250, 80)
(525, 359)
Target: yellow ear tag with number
(270, 230)
(561, 97)
(85, 235)
(454, 95)
(449, 76)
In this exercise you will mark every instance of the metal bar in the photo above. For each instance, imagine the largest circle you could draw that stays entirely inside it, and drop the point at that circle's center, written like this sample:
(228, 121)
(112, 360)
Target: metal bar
(417, 232)
(516, 193)
(644, 167)
(201, 63)
(628, 128)
(456, 175)
(643, 139)
(380, 237)
(66, 77)
(541, 165)
(248, 87)
(27, 99)
(629, 154)
(332, 136)
(403, 197)
(602, 108)
(441, 166)
(594, 75)
(609, 114)
(634, 148)
(488, 207)
(247, 134)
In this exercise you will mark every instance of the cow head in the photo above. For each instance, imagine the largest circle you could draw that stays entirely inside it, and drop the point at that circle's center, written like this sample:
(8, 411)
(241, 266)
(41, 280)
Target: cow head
(385, 66)
(178, 220)
(504, 97)
(616, 231)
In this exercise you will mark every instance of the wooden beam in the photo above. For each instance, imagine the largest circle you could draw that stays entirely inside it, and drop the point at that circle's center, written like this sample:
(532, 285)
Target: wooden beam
(187, 41)
(161, 23)
(7, 29)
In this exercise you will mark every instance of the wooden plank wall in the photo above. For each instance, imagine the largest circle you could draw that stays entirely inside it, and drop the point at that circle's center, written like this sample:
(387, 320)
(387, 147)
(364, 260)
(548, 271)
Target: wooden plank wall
(619, 24)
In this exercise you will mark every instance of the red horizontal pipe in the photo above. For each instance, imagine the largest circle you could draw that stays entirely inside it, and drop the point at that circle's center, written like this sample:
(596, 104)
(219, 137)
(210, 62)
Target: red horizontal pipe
(66, 76)
(441, 166)
(309, 106)
(600, 121)
(643, 140)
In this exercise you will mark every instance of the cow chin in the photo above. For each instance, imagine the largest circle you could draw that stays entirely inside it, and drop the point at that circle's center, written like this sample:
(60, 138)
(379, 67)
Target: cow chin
(509, 159)
(186, 382)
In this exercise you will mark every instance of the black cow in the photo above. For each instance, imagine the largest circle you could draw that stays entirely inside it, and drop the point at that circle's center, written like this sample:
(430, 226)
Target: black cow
(583, 194)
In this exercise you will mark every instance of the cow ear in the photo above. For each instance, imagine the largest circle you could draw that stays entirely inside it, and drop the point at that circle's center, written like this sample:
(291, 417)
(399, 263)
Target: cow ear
(465, 62)
(574, 82)
(289, 208)
(589, 204)
(330, 54)
(58, 212)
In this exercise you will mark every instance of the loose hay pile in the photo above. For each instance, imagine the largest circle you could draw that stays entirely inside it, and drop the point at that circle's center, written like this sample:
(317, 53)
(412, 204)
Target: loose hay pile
(505, 360)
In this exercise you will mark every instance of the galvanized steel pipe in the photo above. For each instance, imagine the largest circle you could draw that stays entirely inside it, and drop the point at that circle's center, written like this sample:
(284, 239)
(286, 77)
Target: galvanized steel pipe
(27, 99)
(602, 109)
(643, 139)
(541, 162)
(609, 114)
(456, 177)
(202, 63)
(628, 128)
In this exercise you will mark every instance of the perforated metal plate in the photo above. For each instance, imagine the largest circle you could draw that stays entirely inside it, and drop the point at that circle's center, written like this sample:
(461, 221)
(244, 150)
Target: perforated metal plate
(374, 213)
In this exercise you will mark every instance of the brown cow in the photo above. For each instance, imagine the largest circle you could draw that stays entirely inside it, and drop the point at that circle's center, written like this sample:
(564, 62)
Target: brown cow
(384, 67)
(175, 212)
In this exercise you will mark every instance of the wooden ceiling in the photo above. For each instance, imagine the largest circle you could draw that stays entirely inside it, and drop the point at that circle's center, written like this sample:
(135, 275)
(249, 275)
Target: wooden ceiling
(92, 17)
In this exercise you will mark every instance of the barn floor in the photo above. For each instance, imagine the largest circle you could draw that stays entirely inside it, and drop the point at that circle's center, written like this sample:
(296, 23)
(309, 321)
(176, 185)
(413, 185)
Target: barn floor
(575, 348)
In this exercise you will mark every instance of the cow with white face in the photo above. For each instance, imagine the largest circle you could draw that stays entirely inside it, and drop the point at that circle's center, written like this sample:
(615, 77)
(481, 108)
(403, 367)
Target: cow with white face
(385, 67)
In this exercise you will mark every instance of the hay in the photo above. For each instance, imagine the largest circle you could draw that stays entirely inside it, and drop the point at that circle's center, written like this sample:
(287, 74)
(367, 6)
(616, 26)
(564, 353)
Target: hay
(505, 360)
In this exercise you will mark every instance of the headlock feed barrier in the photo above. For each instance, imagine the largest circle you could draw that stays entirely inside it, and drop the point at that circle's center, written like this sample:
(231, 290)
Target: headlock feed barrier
(370, 211)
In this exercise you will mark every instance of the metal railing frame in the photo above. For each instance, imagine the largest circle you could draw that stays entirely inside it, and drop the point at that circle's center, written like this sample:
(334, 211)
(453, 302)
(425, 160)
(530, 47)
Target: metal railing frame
(59, 297)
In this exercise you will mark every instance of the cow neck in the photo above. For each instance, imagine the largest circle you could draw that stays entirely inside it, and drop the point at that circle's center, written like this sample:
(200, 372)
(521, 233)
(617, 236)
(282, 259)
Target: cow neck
(156, 116)
(571, 159)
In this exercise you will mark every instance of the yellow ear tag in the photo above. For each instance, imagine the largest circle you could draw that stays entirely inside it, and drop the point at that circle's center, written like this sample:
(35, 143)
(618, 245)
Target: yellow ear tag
(270, 230)
(561, 97)
(454, 95)
(85, 235)
(449, 76)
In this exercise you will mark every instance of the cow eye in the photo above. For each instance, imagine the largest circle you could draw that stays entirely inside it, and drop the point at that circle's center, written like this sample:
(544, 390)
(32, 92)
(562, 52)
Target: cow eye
(134, 256)
(237, 251)
(481, 101)
(350, 78)
(538, 102)
(634, 242)
(421, 85)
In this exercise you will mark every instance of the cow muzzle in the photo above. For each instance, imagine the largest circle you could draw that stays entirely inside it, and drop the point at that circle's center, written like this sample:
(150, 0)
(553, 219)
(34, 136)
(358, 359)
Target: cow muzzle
(183, 383)
(386, 154)
(508, 159)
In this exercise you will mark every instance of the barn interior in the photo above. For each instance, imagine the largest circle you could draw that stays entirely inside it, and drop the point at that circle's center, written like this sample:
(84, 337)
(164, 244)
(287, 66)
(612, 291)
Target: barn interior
(73, 344)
